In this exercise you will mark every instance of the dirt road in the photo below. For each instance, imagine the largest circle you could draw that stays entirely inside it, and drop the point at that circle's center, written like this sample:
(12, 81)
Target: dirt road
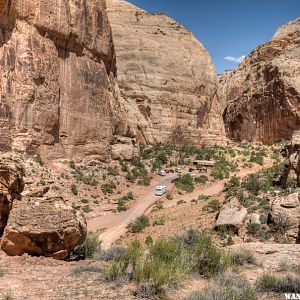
(113, 226)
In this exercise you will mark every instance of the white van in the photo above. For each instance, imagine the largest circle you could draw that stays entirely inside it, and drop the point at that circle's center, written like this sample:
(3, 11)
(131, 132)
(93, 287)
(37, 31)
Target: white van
(162, 173)
(160, 190)
(178, 170)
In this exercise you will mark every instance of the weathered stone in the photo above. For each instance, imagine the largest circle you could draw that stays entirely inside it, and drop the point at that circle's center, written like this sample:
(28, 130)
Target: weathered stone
(124, 148)
(255, 218)
(285, 216)
(43, 226)
(263, 93)
(166, 77)
(232, 214)
(11, 185)
(57, 68)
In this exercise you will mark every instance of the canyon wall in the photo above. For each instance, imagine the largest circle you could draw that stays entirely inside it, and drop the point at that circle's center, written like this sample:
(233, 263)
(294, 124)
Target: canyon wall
(166, 77)
(263, 93)
(57, 69)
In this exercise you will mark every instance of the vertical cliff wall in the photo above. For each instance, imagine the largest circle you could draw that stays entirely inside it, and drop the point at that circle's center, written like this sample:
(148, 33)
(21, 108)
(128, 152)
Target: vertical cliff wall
(166, 77)
(263, 93)
(57, 68)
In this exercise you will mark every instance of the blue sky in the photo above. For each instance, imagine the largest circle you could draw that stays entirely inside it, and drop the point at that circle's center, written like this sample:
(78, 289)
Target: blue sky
(227, 27)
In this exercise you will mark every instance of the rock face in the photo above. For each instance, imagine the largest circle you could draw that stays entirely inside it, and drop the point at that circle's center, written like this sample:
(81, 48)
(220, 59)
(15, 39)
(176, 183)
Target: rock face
(285, 216)
(166, 77)
(232, 215)
(57, 68)
(263, 93)
(43, 226)
(11, 185)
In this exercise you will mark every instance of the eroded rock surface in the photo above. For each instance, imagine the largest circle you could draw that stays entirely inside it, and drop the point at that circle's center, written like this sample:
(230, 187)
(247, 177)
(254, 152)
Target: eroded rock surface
(11, 185)
(232, 215)
(43, 226)
(263, 93)
(285, 216)
(57, 70)
(167, 79)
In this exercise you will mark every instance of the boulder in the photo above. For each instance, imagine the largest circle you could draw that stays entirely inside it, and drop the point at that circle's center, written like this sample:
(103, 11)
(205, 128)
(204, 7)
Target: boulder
(232, 215)
(124, 148)
(285, 216)
(43, 226)
(255, 218)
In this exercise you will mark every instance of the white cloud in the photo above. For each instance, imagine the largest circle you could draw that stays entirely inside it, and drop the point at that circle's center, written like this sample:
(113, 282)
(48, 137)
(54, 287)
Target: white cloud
(235, 59)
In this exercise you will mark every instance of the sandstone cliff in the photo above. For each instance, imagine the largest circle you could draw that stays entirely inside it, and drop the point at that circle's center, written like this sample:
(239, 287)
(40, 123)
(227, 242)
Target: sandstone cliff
(57, 68)
(166, 77)
(263, 93)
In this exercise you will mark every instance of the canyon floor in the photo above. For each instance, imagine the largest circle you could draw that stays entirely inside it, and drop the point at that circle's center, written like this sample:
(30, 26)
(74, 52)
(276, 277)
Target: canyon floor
(112, 197)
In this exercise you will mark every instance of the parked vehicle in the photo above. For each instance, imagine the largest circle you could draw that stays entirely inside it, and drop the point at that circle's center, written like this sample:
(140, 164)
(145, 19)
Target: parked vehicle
(178, 170)
(162, 173)
(167, 171)
(191, 169)
(172, 171)
(192, 174)
(160, 190)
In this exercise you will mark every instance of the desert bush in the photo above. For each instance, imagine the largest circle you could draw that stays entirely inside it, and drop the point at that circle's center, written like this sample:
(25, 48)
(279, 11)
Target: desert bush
(139, 224)
(233, 186)
(89, 248)
(253, 228)
(202, 179)
(279, 284)
(213, 206)
(108, 188)
(1, 272)
(227, 286)
(74, 189)
(112, 254)
(185, 183)
(169, 196)
(242, 257)
(222, 168)
(86, 209)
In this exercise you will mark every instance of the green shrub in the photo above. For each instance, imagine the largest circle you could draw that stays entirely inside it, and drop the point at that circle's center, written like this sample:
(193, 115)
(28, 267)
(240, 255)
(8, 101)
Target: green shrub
(139, 224)
(169, 196)
(202, 179)
(108, 188)
(112, 254)
(74, 189)
(185, 183)
(210, 260)
(233, 186)
(213, 206)
(89, 248)
(87, 209)
(253, 228)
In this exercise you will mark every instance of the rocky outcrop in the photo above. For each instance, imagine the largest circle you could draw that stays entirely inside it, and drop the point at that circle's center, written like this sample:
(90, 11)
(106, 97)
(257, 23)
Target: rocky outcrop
(232, 215)
(11, 185)
(43, 226)
(124, 148)
(285, 216)
(57, 69)
(166, 77)
(263, 93)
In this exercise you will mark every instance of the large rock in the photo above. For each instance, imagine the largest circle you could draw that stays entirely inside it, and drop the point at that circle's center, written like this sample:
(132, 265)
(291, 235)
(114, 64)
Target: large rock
(285, 216)
(263, 93)
(57, 78)
(11, 185)
(232, 215)
(166, 77)
(124, 148)
(43, 226)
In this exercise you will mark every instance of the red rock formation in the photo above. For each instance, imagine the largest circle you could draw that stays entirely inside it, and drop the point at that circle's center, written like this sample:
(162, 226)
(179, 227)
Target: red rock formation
(166, 77)
(263, 93)
(57, 67)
